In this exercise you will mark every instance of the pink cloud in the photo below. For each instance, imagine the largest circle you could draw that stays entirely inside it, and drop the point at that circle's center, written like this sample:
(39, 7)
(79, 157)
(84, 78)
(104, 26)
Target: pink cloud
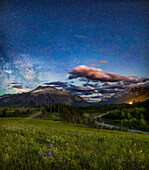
(92, 65)
(133, 76)
(97, 75)
(103, 62)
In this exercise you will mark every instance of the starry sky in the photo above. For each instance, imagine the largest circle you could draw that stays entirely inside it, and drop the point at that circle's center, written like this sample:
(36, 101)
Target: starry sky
(94, 49)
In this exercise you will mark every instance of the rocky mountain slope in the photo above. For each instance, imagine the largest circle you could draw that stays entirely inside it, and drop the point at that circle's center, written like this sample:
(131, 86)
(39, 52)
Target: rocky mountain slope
(41, 96)
(134, 95)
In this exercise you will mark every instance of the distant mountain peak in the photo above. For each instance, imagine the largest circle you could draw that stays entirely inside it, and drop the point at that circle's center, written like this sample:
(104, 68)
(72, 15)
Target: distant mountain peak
(41, 96)
(137, 94)
(44, 89)
(138, 90)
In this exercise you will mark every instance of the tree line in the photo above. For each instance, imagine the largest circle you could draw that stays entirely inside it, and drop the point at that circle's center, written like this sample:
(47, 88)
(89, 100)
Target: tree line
(69, 113)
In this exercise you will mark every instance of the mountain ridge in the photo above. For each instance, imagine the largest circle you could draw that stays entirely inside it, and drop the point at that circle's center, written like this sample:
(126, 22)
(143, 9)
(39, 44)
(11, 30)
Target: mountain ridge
(41, 96)
(136, 94)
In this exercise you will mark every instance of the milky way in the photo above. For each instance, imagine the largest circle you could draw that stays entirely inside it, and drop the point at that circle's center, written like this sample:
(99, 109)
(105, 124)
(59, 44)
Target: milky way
(42, 42)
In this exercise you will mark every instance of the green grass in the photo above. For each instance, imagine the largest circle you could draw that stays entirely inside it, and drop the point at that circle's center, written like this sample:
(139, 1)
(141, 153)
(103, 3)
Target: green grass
(11, 112)
(22, 141)
(50, 116)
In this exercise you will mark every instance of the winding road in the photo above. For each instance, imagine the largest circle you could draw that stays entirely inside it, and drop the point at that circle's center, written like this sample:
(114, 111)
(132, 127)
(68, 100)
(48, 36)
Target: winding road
(98, 123)
(35, 115)
(102, 115)
(112, 126)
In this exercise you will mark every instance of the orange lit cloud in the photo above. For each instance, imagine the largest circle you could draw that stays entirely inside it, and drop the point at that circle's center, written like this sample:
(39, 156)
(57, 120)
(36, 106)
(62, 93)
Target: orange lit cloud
(103, 62)
(92, 65)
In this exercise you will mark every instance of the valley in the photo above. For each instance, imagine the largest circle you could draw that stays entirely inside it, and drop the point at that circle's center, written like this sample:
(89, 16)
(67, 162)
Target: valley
(61, 135)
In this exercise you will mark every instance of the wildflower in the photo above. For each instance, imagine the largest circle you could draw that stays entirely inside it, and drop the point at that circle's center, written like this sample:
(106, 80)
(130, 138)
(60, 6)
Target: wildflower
(50, 154)
(42, 155)
(51, 146)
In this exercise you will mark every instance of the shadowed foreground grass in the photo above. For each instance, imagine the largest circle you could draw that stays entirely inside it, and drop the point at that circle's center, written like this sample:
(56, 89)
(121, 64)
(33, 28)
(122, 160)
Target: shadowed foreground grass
(25, 144)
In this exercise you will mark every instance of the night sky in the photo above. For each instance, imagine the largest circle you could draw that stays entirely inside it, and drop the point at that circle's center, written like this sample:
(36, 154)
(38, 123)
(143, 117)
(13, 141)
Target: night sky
(92, 48)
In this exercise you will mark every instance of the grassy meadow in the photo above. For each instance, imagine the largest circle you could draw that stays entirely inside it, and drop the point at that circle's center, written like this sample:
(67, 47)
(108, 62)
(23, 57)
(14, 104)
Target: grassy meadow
(18, 112)
(46, 144)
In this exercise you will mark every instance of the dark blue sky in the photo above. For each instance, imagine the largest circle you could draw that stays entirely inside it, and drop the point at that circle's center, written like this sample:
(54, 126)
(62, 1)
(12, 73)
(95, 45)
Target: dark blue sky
(42, 41)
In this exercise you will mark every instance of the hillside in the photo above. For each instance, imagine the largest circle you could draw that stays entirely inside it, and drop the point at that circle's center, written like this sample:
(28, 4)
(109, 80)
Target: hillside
(137, 94)
(45, 144)
(41, 96)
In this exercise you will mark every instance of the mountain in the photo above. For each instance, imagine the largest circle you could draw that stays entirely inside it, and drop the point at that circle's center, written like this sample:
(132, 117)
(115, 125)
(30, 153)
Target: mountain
(137, 94)
(41, 96)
